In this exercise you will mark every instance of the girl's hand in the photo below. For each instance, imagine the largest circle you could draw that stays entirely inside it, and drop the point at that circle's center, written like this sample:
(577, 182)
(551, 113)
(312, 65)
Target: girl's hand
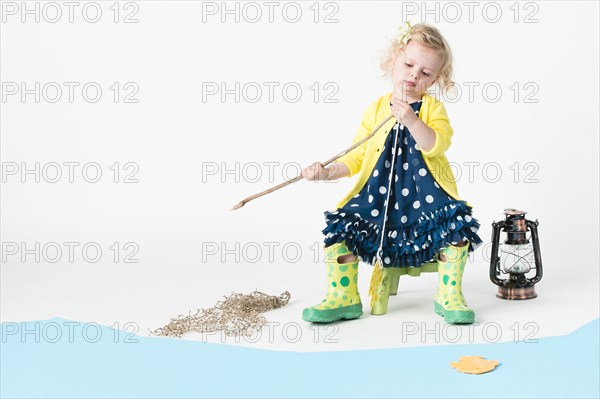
(316, 171)
(403, 111)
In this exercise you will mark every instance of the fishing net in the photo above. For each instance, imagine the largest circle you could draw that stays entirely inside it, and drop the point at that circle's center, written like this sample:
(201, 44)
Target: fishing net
(237, 315)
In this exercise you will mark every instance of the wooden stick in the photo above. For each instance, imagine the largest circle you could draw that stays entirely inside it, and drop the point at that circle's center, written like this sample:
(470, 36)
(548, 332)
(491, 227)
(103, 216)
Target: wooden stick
(299, 177)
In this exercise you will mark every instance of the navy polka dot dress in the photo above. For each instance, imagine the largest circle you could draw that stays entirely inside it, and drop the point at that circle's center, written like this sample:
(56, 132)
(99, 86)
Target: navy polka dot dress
(420, 217)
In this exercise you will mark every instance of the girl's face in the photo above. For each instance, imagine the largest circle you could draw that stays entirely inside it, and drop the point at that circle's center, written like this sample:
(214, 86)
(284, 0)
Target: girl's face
(415, 70)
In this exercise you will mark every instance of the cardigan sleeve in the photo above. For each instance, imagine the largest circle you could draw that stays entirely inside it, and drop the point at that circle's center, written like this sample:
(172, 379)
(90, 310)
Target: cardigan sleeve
(439, 122)
(353, 159)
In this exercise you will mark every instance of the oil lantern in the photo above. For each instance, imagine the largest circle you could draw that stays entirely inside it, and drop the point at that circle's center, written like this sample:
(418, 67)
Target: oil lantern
(517, 257)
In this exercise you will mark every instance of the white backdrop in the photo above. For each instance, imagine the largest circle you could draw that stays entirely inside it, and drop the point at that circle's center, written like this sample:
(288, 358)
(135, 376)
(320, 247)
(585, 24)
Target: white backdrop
(171, 104)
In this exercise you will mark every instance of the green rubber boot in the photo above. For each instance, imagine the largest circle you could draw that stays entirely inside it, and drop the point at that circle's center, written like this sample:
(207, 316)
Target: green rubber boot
(449, 300)
(342, 300)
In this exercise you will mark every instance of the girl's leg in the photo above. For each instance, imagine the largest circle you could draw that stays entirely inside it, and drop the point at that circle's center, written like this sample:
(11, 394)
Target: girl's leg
(348, 258)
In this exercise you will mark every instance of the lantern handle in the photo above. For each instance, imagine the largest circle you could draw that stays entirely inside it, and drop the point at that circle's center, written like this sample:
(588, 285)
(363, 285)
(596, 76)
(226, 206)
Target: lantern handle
(495, 259)
(536, 251)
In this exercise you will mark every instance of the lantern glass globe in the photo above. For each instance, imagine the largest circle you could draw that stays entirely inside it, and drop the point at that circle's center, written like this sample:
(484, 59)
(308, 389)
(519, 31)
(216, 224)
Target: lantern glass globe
(517, 259)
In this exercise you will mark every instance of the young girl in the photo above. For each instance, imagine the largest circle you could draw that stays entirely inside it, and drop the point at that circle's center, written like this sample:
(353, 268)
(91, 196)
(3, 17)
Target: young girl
(404, 209)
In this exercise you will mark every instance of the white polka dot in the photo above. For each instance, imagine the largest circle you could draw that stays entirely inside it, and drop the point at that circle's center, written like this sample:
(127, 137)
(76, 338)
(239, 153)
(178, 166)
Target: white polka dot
(403, 219)
(429, 199)
(410, 150)
(416, 247)
(474, 229)
(387, 260)
(405, 142)
(405, 191)
(417, 147)
(354, 205)
(405, 166)
(382, 190)
(374, 212)
(376, 173)
(452, 226)
(356, 196)
(396, 179)
(385, 203)
(459, 217)
(422, 171)
(416, 204)
(396, 206)
(435, 184)
(370, 199)
(394, 234)
(467, 218)
(418, 189)
(399, 150)
(387, 164)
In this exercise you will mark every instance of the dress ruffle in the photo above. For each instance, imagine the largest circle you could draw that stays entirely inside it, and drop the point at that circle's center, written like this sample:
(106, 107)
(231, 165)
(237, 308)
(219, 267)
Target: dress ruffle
(409, 245)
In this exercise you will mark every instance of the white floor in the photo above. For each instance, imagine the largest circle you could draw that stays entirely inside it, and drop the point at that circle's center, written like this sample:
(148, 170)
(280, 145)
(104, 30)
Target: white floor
(170, 280)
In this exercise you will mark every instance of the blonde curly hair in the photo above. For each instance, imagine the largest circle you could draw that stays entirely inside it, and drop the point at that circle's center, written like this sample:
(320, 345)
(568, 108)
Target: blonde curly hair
(428, 36)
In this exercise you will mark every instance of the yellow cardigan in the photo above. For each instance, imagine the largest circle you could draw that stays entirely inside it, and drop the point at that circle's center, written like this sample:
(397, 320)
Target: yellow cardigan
(364, 157)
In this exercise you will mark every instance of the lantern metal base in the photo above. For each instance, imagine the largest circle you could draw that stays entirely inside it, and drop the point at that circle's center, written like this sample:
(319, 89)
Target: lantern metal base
(516, 293)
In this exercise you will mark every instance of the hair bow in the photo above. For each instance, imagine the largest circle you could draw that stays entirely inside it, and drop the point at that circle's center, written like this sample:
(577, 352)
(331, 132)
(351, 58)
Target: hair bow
(404, 33)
